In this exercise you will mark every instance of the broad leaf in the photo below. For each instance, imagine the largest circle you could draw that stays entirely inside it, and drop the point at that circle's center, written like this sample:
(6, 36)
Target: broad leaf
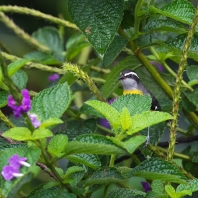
(107, 111)
(114, 49)
(51, 122)
(57, 144)
(125, 119)
(158, 169)
(112, 82)
(135, 103)
(50, 37)
(16, 65)
(75, 128)
(193, 97)
(76, 147)
(192, 72)
(20, 78)
(3, 98)
(163, 25)
(179, 10)
(125, 193)
(192, 186)
(98, 20)
(89, 160)
(51, 102)
(105, 176)
(41, 133)
(147, 119)
(18, 133)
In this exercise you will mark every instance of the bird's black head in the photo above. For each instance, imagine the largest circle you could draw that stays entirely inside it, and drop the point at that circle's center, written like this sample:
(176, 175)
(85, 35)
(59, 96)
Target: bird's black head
(129, 74)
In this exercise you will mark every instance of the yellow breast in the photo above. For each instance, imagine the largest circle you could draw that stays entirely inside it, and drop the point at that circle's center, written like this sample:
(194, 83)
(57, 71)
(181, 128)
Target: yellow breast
(135, 91)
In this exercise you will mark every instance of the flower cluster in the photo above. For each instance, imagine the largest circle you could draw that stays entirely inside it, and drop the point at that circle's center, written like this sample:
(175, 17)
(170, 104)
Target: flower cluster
(12, 170)
(53, 77)
(34, 119)
(25, 104)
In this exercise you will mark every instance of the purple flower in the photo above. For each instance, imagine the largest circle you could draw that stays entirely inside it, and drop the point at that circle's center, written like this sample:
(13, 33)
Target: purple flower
(12, 170)
(25, 104)
(9, 172)
(53, 77)
(146, 186)
(34, 119)
(16, 162)
(159, 66)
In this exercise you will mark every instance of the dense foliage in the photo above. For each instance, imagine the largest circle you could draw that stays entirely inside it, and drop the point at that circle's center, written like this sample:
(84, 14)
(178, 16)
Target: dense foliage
(71, 131)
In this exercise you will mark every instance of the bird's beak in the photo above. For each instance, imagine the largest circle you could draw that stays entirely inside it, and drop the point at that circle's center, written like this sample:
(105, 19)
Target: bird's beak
(121, 77)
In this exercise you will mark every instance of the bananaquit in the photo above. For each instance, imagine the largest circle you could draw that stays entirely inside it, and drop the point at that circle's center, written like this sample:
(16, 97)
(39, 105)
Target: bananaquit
(132, 85)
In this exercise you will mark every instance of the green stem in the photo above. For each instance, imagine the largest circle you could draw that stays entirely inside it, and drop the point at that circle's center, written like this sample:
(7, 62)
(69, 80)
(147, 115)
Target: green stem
(180, 130)
(137, 19)
(177, 90)
(6, 121)
(34, 65)
(98, 69)
(75, 69)
(28, 121)
(18, 31)
(112, 160)
(192, 83)
(28, 11)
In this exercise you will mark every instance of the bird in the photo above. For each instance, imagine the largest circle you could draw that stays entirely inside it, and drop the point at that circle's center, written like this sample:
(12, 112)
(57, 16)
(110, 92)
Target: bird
(132, 85)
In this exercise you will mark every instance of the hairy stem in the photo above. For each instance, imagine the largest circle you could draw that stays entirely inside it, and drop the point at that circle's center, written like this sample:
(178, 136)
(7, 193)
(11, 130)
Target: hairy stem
(19, 32)
(28, 11)
(81, 74)
(6, 121)
(177, 90)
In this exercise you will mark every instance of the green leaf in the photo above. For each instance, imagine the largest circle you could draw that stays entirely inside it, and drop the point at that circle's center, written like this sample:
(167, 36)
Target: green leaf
(171, 191)
(98, 20)
(52, 193)
(73, 169)
(158, 169)
(192, 186)
(135, 103)
(125, 119)
(10, 188)
(187, 105)
(51, 102)
(180, 10)
(76, 147)
(51, 122)
(193, 97)
(147, 119)
(163, 25)
(177, 44)
(58, 144)
(112, 82)
(192, 72)
(126, 193)
(16, 65)
(75, 128)
(157, 186)
(105, 176)
(3, 98)
(74, 45)
(41, 133)
(41, 57)
(114, 49)
(18, 133)
(133, 143)
(89, 160)
(50, 37)
(107, 111)
(20, 78)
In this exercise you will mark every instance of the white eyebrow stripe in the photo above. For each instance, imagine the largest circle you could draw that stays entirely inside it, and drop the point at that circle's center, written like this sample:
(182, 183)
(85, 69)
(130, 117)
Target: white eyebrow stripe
(133, 73)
